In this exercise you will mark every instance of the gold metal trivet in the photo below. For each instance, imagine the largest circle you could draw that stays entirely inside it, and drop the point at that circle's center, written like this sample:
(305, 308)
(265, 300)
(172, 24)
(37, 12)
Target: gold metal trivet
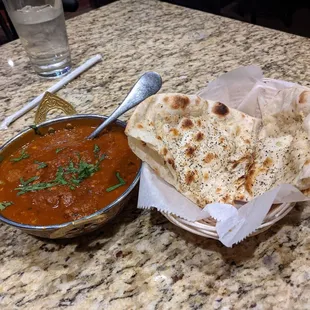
(52, 102)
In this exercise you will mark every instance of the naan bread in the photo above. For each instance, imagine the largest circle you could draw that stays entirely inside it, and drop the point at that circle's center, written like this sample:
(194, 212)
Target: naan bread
(203, 148)
(212, 153)
(283, 142)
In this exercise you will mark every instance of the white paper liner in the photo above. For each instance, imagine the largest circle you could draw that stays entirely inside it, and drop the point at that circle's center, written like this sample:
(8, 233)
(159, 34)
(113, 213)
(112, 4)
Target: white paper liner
(241, 89)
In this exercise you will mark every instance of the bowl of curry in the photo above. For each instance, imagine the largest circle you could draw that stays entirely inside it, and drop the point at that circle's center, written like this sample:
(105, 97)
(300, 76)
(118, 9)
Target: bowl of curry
(54, 183)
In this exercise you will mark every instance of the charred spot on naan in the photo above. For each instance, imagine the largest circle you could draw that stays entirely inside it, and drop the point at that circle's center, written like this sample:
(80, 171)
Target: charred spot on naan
(209, 157)
(306, 192)
(164, 151)
(174, 132)
(199, 136)
(226, 198)
(254, 170)
(199, 123)
(250, 179)
(303, 96)
(140, 126)
(267, 162)
(189, 177)
(206, 176)
(159, 138)
(240, 198)
(143, 143)
(177, 101)
(187, 124)
(190, 150)
(171, 162)
(221, 140)
(245, 158)
(239, 182)
(218, 190)
(207, 201)
(220, 109)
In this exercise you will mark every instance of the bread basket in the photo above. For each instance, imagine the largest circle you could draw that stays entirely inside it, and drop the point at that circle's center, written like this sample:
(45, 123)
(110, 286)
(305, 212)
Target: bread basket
(206, 228)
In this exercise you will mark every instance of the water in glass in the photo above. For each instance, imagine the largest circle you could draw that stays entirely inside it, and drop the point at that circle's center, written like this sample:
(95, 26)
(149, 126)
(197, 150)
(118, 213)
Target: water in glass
(42, 31)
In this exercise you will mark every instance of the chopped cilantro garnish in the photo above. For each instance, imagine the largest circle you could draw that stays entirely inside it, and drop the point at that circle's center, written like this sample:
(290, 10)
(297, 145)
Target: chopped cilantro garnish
(40, 164)
(59, 150)
(36, 130)
(60, 177)
(96, 149)
(121, 183)
(72, 175)
(23, 155)
(24, 183)
(29, 186)
(102, 157)
(5, 204)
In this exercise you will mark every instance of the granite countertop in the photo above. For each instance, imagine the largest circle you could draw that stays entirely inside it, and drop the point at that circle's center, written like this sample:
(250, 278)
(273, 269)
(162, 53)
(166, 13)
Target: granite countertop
(140, 260)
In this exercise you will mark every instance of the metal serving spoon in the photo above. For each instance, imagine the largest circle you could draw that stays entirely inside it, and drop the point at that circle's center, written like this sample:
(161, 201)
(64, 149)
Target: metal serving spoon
(148, 85)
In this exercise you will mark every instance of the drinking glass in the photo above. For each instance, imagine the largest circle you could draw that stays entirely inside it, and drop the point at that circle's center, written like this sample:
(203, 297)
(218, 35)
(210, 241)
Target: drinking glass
(40, 25)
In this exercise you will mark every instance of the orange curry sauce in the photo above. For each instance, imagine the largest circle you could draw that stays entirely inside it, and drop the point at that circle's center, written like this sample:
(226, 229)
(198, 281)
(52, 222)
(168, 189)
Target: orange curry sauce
(68, 176)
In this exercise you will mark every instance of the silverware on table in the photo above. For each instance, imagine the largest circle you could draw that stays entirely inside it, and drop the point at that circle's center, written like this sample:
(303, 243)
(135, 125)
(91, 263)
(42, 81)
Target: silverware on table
(148, 85)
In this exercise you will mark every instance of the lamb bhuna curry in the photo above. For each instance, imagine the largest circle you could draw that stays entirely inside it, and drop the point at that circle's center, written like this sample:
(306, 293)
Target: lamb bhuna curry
(62, 176)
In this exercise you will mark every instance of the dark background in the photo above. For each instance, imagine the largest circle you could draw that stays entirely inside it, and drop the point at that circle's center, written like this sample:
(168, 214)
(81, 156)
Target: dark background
(290, 16)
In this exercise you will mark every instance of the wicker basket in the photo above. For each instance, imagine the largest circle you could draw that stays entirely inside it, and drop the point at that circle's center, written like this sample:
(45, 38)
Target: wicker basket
(206, 228)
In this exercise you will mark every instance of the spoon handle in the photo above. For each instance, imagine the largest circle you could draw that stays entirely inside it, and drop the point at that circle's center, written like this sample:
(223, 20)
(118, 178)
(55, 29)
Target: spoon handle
(148, 85)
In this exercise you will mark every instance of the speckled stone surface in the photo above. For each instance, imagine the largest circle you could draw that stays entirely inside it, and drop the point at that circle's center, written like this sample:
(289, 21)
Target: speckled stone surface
(141, 261)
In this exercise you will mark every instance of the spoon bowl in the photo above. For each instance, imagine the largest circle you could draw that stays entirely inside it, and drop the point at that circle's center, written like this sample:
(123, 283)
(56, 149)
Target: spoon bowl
(148, 85)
